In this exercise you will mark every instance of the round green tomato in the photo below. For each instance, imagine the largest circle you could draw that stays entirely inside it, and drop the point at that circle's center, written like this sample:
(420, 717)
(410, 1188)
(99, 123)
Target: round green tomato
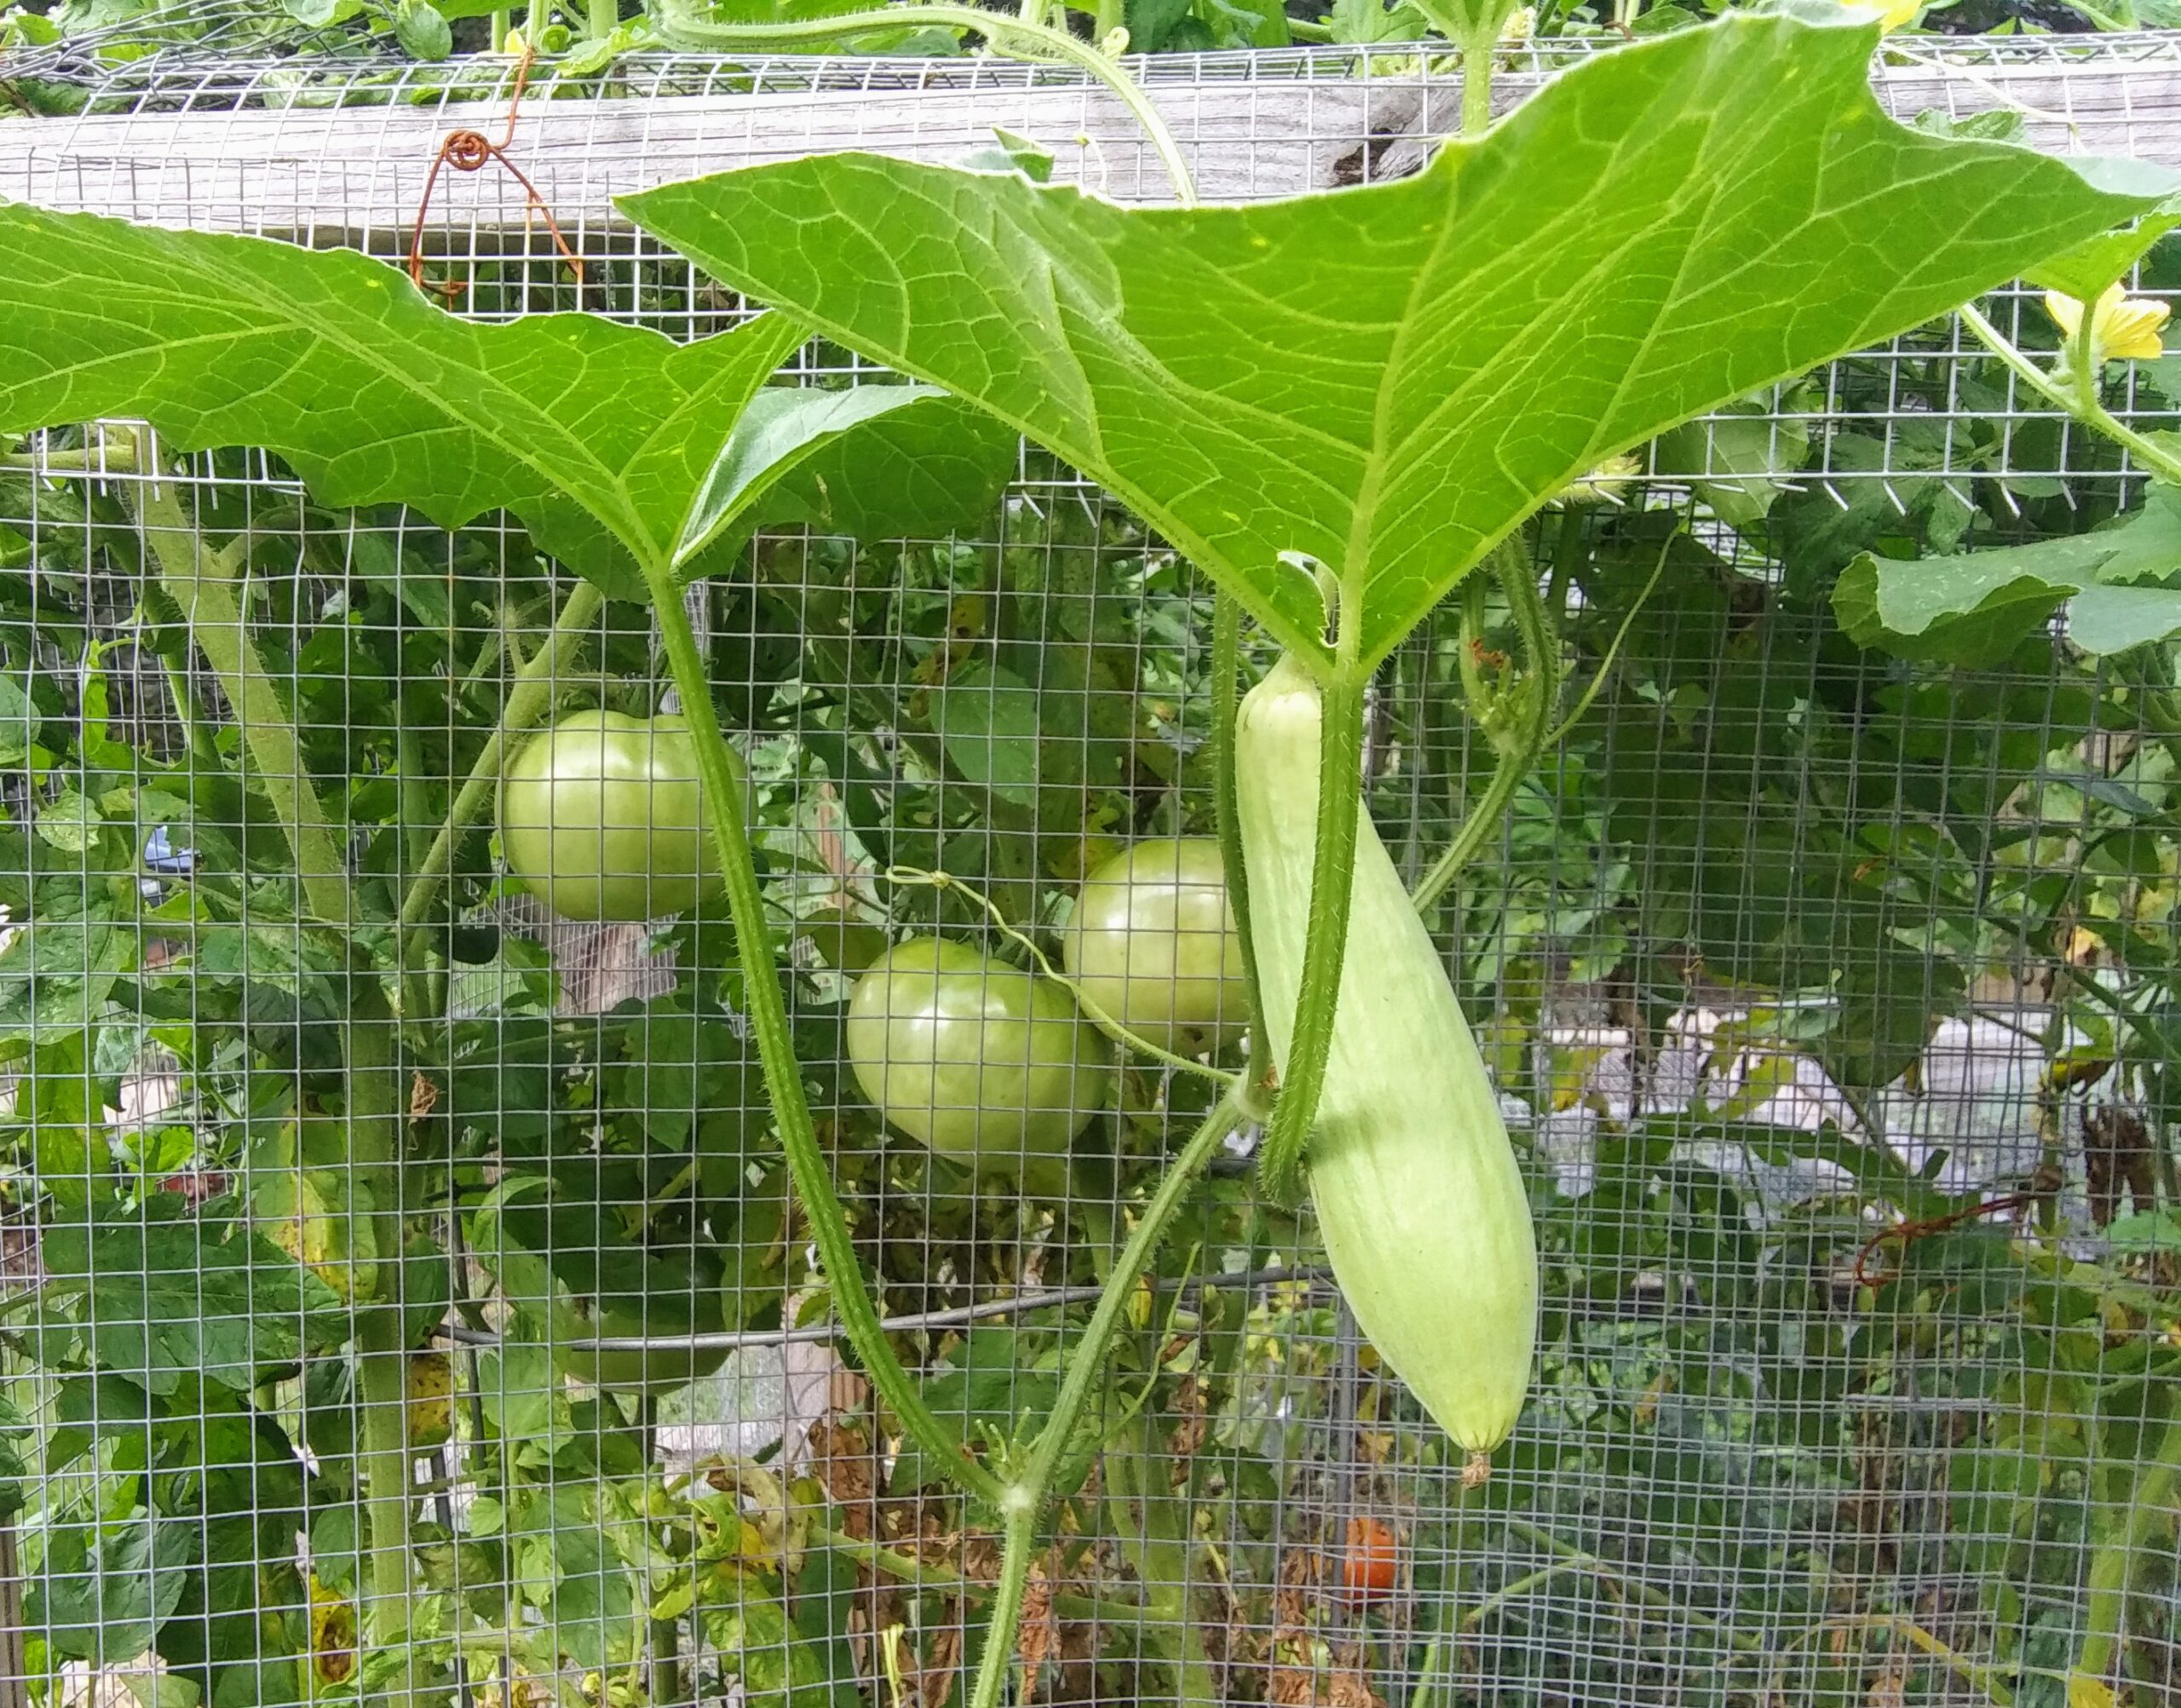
(1152, 943)
(602, 817)
(650, 1370)
(974, 1058)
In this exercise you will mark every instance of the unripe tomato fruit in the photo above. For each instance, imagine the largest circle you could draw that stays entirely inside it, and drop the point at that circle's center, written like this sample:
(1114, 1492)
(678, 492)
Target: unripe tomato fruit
(648, 1370)
(682, 1297)
(974, 1058)
(602, 817)
(1153, 943)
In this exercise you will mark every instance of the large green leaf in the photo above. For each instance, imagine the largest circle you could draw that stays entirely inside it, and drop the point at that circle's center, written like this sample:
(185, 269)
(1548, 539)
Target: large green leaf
(1974, 608)
(338, 364)
(608, 440)
(1389, 378)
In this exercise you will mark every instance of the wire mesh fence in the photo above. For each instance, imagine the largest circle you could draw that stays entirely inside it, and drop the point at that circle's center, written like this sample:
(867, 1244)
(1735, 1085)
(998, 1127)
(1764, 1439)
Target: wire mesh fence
(1827, 989)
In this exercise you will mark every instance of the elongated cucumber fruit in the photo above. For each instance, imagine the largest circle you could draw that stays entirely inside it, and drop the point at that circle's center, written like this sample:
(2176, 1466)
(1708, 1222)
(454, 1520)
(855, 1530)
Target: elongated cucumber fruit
(1417, 1195)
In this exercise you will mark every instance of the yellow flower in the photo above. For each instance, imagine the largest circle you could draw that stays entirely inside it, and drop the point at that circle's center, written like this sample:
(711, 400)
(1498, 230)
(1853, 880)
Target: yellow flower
(1891, 14)
(2122, 328)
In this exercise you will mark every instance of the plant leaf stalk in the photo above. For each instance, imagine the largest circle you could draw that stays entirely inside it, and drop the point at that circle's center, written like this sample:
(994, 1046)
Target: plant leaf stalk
(1013, 37)
(526, 704)
(768, 1023)
(201, 584)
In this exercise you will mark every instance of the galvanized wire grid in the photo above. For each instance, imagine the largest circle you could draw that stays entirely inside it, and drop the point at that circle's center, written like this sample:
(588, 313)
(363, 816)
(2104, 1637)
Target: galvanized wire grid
(1732, 1486)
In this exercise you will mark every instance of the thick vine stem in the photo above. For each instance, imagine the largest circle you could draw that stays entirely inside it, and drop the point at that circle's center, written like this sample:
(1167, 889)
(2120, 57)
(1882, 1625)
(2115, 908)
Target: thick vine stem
(202, 584)
(528, 701)
(1226, 686)
(1014, 37)
(1476, 81)
(2078, 400)
(1325, 943)
(768, 1022)
(1024, 1499)
(2114, 1562)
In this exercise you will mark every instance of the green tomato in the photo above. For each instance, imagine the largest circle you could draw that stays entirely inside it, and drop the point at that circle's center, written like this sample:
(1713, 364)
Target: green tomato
(686, 1305)
(1152, 943)
(974, 1058)
(602, 817)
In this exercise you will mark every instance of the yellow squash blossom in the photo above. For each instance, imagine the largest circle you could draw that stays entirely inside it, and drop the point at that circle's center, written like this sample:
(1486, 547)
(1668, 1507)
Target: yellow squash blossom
(1892, 14)
(2122, 328)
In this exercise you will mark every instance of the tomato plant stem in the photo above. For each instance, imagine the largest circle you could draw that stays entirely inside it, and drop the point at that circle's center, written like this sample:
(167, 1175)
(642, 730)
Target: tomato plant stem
(382, 1354)
(1024, 1499)
(526, 704)
(2150, 1502)
(202, 582)
(1016, 38)
(768, 1022)
(1332, 871)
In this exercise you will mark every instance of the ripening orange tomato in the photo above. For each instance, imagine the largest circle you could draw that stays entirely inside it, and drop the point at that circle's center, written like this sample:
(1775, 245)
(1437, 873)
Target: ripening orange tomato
(1372, 1565)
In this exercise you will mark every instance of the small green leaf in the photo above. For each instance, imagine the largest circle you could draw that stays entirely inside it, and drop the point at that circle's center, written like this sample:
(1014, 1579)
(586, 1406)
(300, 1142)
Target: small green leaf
(422, 31)
(19, 722)
(986, 719)
(69, 822)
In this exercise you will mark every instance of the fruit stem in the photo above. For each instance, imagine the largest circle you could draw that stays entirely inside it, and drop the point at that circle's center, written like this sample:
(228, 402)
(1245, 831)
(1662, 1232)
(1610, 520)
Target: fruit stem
(768, 1023)
(1332, 876)
(527, 702)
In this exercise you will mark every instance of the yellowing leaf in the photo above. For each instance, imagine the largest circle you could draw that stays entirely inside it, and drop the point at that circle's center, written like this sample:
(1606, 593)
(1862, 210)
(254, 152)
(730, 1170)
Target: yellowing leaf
(2085, 1692)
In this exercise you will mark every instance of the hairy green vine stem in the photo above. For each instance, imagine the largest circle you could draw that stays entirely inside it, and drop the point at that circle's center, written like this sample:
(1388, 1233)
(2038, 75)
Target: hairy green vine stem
(527, 702)
(1014, 37)
(1476, 46)
(2078, 399)
(1325, 941)
(1023, 1499)
(768, 1023)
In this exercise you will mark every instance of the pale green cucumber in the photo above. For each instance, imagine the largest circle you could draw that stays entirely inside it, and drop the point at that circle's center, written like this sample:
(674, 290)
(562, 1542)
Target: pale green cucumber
(1417, 1191)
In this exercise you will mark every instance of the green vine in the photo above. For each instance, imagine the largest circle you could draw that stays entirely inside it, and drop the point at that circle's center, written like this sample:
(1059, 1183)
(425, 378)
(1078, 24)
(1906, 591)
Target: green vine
(769, 1024)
